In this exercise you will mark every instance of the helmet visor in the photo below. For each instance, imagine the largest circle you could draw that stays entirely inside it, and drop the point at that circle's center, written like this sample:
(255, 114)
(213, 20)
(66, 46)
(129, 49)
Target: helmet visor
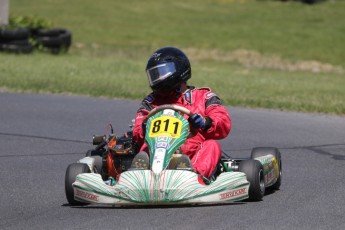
(160, 72)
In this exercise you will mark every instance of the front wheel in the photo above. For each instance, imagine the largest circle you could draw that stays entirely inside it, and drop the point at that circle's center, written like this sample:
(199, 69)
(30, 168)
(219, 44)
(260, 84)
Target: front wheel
(255, 175)
(73, 170)
(98, 163)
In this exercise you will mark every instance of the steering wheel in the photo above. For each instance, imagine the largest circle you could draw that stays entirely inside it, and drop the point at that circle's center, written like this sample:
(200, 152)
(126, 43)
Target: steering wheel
(167, 106)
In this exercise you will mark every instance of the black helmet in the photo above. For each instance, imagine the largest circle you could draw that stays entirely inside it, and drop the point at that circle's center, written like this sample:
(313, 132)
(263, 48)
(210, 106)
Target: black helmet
(167, 68)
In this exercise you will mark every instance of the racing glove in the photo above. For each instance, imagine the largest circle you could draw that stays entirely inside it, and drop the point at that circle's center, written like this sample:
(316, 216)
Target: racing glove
(199, 122)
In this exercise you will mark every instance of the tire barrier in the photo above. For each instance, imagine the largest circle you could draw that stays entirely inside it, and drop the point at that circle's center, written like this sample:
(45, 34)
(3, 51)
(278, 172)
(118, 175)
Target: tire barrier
(15, 40)
(54, 40)
(14, 34)
(23, 40)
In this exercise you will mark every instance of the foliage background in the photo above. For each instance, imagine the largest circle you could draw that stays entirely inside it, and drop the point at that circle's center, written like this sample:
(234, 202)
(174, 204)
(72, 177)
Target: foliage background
(272, 54)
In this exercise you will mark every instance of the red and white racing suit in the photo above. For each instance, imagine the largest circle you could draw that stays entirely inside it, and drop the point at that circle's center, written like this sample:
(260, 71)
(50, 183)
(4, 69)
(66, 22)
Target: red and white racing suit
(201, 148)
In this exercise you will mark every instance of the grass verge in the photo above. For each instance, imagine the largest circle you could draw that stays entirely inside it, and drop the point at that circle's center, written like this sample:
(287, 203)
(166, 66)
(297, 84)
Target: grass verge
(271, 54)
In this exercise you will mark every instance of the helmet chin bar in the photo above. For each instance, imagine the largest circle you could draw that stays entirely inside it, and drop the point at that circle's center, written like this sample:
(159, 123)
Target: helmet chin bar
(170, 93)
(163, 93)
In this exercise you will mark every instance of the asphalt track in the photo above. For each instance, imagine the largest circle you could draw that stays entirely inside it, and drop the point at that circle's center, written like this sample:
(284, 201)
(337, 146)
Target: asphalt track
(41, 134)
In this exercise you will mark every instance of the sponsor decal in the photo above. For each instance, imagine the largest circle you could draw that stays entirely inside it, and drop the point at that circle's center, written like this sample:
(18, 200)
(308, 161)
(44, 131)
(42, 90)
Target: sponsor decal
(188, 97)
(233, 193)
(87, 195)
(269, 176)
(169, 112)
(161, 145)
(162, 138)
(276, 168)
(149, 98)
(156, 55)
(185, 72)
(209, 95)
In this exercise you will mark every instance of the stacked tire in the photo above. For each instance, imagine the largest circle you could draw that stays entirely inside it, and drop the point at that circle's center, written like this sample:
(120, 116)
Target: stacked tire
(24, 40)
(310, 1)
(54, 40)
(15, 40)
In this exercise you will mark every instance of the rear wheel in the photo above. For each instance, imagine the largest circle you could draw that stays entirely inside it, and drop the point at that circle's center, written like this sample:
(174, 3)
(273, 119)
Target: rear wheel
(255, 175)
(263, 151)
(71, 173)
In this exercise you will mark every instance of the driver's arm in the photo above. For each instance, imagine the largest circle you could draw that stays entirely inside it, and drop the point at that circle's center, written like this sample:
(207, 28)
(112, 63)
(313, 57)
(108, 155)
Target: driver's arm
(138, 131)
(221, 122)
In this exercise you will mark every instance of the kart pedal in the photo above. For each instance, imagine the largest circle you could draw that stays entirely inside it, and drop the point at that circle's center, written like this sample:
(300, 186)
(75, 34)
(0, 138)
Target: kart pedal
(140, 161)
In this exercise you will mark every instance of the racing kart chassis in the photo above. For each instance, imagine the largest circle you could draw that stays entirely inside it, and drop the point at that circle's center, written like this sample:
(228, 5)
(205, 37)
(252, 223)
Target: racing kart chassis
(105, 175)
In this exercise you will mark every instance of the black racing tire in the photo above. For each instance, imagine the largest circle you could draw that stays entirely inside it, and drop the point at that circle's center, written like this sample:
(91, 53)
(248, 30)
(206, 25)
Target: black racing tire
(255, 175)
(66, 38)
(16, 48)
(49, 41)
(263, 151)
(71, 173)
(310, 1)
(54, 37)
(48, 32)
(24, 42)
(14, 34)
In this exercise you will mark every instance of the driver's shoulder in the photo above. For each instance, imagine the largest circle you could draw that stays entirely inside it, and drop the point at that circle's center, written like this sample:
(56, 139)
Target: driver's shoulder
(201, 91)
(147, 103)
(149, 98)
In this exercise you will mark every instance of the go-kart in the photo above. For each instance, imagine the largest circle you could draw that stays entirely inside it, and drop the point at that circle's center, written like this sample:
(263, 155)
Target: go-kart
(105, 175)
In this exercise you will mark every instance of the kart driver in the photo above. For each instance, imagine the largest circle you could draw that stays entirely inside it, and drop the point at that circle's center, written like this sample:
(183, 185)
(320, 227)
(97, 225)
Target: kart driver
(168, 71)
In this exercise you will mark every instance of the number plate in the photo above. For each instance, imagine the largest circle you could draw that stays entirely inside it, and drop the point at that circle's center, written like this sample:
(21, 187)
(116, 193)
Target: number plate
(166, 126)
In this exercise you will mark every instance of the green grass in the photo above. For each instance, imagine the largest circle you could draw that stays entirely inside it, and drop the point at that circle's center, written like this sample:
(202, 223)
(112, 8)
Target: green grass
(251, 53)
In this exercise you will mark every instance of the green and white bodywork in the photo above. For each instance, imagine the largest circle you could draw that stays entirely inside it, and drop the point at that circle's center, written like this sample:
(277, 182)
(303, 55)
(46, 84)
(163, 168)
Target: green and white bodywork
(167, 187)
(166, 131)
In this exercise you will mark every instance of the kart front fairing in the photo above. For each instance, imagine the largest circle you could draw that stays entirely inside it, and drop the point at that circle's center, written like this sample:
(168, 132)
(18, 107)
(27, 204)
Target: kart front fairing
(166, 131)
(168, 187)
